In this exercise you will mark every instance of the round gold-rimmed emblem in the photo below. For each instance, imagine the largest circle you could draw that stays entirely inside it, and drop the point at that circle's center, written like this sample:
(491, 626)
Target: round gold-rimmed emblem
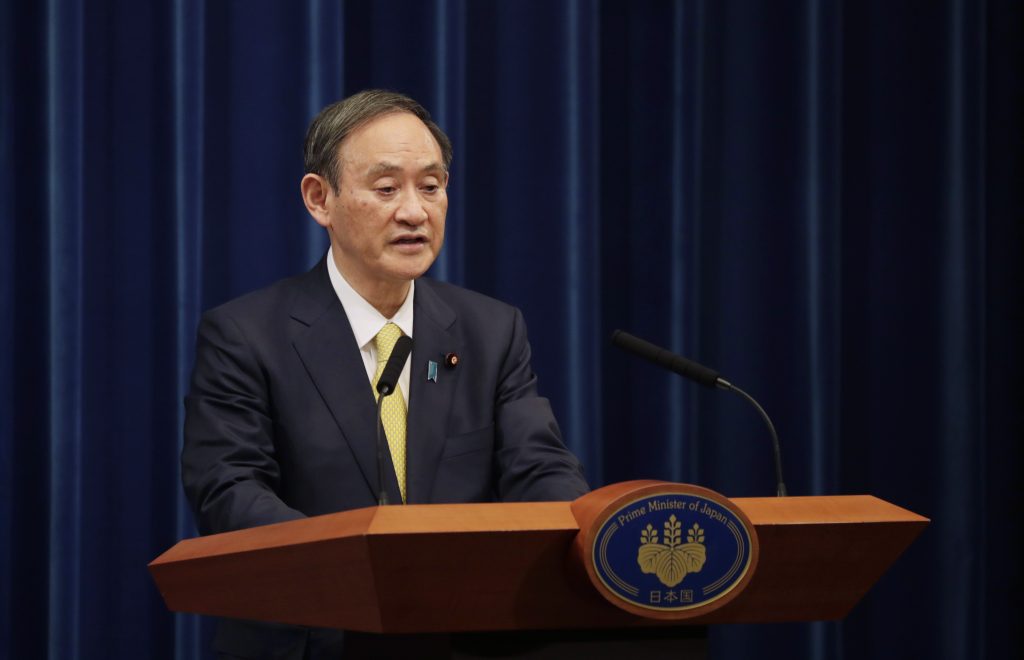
(665, 550)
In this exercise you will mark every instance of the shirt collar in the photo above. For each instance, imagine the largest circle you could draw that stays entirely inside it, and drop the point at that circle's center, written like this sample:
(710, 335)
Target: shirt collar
(364, 318)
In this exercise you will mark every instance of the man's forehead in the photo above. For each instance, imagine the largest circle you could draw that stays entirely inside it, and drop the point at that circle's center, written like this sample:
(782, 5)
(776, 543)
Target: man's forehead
(391, 131)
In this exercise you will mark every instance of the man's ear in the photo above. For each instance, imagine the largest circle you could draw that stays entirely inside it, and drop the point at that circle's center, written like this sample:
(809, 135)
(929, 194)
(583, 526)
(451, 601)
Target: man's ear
(315, 191)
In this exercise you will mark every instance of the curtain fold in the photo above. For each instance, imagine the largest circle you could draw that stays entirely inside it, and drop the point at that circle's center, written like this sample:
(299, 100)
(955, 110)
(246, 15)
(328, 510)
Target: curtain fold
(64, 106)
(187, 91)
(817, 199)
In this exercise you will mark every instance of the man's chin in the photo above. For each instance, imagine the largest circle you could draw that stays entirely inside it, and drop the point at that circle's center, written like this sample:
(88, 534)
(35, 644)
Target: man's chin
(410, 268)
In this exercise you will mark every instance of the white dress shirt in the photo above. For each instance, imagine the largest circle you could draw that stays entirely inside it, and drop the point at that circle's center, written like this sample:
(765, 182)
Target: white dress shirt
(366, 322)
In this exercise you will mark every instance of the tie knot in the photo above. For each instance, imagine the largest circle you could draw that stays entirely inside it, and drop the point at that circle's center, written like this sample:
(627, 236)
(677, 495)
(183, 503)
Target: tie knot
(385, 341)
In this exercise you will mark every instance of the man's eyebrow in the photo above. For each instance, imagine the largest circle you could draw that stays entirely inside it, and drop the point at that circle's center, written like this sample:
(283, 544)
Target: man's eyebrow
(385, 167)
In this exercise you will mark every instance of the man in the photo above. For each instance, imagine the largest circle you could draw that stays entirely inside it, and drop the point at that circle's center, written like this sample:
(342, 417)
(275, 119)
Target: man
(281, 415)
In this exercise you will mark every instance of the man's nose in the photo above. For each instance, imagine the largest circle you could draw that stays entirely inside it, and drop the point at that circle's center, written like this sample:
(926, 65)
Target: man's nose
(411, 210)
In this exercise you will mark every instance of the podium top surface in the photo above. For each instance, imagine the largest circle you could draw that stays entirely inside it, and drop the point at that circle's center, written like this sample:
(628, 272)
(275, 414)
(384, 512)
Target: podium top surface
(514, 517)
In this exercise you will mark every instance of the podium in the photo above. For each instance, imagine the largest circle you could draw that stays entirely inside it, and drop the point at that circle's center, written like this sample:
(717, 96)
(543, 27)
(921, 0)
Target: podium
(518, 566)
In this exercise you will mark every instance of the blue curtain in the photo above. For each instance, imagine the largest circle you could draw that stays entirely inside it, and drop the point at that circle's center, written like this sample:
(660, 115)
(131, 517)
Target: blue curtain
(817, 198)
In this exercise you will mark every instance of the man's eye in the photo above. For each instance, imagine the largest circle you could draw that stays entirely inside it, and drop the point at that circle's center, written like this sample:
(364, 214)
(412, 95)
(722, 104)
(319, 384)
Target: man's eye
(431, 189)
(386, 190)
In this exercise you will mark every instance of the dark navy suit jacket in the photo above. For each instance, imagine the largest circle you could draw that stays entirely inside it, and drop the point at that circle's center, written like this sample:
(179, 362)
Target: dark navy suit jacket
(280, 417)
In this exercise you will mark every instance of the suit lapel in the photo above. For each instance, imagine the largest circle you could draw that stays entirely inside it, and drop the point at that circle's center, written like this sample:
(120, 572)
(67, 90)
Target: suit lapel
(429, 401)
(328, 351)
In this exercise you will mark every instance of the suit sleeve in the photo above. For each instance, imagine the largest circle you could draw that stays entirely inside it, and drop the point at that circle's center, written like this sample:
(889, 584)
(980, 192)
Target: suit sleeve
(228, 464)
(532, 461)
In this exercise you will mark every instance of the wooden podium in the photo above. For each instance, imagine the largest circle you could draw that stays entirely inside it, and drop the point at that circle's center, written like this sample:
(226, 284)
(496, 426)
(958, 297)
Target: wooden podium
(493, 567)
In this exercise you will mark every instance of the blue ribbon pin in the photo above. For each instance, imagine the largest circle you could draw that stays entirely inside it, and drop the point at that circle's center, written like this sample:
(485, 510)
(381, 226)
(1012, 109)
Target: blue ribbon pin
(432, 370)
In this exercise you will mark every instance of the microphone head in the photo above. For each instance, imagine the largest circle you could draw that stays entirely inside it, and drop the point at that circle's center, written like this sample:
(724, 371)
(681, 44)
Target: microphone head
(665, 358)
(393, 369)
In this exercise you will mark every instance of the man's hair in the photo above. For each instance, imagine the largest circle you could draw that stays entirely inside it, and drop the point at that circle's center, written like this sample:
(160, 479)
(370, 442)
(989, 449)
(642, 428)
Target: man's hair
(338, 120)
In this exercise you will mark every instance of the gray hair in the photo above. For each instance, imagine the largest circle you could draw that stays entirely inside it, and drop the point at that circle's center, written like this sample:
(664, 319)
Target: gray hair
(338, 120)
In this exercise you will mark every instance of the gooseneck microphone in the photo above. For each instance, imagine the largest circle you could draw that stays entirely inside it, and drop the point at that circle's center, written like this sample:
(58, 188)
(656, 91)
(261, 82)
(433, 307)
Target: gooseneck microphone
(703, 375)
(386, 384)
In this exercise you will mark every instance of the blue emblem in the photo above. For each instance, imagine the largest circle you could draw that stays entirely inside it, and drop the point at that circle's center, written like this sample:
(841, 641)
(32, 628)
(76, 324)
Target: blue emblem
(432, 370)
(672, 551)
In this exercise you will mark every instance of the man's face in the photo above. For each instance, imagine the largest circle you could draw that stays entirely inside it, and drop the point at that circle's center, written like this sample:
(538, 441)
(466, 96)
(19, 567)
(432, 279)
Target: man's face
(387, 220)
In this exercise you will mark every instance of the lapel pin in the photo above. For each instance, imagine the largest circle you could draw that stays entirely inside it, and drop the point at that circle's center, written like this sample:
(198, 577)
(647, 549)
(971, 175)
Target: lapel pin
(451, 360)
(432, 370)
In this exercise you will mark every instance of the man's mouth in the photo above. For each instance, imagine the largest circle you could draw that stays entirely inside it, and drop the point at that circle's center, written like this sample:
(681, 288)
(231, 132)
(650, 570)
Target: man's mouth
(409, 240)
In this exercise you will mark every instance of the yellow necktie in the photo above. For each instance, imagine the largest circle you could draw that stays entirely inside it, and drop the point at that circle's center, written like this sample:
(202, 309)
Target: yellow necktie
(393, 411)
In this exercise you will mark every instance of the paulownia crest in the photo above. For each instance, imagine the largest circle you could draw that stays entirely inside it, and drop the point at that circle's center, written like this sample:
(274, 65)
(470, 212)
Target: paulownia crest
(672, 560)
